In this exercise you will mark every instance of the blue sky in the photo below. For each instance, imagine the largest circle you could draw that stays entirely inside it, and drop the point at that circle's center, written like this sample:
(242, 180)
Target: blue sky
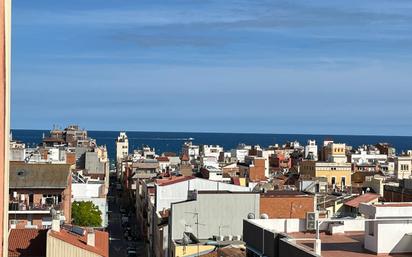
(323, 67)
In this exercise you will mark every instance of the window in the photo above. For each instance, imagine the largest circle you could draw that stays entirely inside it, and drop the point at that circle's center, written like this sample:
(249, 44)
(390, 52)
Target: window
(333, 180)
(343, 181)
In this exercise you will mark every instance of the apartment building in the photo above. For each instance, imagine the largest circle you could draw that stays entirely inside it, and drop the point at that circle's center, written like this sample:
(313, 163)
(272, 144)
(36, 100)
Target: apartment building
(35, 189)
(337, 174)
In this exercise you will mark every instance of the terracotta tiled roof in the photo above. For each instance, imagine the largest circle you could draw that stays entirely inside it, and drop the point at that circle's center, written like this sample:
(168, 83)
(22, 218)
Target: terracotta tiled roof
(236, 181)
(163, 159)
(27, 242)
(365, 198)
(102, 241)
(185, 158)
(173, 180)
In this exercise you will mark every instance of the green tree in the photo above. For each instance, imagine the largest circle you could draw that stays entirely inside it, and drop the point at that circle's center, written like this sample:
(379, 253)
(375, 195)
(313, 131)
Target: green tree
(86, 214)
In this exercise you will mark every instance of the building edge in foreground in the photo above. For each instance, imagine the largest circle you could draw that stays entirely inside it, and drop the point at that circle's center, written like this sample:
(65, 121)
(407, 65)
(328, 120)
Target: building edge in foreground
(5, 45)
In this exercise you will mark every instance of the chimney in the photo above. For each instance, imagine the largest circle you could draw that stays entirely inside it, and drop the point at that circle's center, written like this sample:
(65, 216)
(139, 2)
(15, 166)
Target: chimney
(55, 220)
(91, 237)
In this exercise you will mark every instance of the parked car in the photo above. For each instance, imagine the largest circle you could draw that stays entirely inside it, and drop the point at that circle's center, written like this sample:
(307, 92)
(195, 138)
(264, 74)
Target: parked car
(131, 254)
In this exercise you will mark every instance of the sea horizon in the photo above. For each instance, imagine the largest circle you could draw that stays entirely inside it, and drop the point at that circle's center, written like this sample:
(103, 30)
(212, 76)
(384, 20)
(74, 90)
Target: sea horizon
(224, 132)
(173, 141)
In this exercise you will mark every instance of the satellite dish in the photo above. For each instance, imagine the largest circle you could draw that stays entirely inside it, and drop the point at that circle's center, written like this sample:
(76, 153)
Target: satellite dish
(185, 239)
(264, 216)
(251, 216)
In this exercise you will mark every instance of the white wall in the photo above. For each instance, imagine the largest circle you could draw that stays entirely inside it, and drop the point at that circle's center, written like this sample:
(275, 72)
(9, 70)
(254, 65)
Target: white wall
(299, 225)
(392, 237)
(80, 190)
(166, 195)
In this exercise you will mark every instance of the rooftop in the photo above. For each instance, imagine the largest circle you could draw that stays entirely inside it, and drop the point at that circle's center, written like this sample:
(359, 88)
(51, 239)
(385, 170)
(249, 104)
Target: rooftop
(172, 180)
(349, 244)
(39, 175)
(102, 241)
(284, 193)
(365, 198)
(163, 159)
(27, 242)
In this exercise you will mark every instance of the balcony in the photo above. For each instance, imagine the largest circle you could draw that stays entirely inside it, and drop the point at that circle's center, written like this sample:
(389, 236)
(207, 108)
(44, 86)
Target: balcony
(24, 208)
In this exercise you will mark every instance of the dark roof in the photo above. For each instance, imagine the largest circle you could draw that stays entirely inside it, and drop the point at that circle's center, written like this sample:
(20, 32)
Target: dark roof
(39, 175)
(27, 243)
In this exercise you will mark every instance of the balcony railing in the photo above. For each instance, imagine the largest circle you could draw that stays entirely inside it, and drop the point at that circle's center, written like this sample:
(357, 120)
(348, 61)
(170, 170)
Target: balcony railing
(24, 207)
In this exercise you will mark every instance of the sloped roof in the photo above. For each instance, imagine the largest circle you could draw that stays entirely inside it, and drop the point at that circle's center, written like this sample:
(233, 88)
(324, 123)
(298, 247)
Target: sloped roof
(101, 244)
(163, 159)
(365, 198)
(172, 180)
(39, 175)
(27, 243)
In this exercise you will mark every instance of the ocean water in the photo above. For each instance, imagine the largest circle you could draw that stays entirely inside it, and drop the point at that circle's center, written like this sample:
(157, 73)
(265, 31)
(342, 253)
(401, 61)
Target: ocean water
(173, 141)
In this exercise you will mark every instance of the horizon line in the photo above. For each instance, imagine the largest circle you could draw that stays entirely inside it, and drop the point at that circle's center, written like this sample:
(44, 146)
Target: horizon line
(216, 132)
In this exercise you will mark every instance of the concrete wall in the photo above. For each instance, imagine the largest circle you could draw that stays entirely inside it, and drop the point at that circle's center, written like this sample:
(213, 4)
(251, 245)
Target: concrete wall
(225, 210)
(270, 243)
(289, 249)
(299, 225)
(286, 206)
(393, 237)
(80, 190)
(92, 164)
(166, 195)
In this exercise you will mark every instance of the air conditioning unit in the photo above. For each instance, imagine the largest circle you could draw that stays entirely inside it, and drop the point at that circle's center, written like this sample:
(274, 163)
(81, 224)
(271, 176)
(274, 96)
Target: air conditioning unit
(311, 218)
(13, 224)
(218, 238)
(228, 238)
(237, 238)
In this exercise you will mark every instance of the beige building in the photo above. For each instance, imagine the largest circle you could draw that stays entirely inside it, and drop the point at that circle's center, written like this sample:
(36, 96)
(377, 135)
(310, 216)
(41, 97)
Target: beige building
(5, 46)
(403, 166)
(333, 152)
(337, 174)
(92, 244)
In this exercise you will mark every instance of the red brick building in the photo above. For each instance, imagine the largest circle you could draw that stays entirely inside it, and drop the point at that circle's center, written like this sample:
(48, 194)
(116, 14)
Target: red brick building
(253, 169)
(286, 204)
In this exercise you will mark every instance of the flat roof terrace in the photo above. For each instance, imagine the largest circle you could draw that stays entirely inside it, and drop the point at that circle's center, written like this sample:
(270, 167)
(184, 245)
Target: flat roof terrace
(349, 244)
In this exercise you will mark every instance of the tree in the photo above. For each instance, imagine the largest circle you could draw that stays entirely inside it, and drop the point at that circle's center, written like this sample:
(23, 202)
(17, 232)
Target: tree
(86, 214)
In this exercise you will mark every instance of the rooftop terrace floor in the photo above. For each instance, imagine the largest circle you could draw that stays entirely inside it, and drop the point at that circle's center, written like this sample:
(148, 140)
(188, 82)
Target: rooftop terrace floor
(349, 244)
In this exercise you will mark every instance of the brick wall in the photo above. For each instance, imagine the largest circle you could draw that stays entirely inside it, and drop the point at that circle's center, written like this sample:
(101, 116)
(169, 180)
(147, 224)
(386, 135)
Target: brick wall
(286, 206)
(71, 158)
(257, 172)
